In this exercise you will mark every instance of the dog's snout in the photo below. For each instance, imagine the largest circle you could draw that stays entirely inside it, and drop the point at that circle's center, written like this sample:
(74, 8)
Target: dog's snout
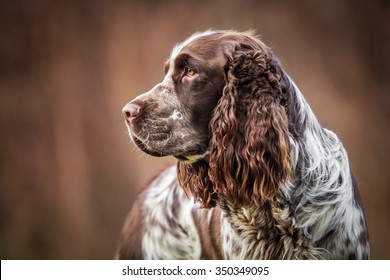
(131, 110)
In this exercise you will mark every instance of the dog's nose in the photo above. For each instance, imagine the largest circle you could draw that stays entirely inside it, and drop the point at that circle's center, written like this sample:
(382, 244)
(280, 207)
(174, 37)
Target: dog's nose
(131, 110)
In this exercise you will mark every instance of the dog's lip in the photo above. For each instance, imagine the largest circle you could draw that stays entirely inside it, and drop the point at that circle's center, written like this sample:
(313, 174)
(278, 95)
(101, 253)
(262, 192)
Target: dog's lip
(146, 149)
(143, 147)
(192, 152)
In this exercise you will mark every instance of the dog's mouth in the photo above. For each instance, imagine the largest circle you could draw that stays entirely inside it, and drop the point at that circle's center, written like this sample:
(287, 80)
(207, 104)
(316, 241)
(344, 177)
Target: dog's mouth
(161, 148)
(146, 149)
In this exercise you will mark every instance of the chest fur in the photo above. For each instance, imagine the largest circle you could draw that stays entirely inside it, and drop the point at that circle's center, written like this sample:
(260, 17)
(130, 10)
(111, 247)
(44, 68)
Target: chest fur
(267, 232)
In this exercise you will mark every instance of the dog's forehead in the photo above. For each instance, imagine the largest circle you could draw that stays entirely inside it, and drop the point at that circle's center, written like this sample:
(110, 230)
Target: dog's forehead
(177, 49)
(204, 47)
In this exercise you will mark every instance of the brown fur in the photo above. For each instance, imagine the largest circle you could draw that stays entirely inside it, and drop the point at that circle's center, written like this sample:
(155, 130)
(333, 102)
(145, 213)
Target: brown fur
(130, 243)
(249, 158)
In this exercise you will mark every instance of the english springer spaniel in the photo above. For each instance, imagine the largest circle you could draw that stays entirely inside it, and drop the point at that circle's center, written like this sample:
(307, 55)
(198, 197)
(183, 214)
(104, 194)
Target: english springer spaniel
(257, 176)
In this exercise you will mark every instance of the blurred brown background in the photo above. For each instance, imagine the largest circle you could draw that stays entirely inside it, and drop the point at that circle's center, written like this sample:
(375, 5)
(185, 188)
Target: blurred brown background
(68, 172)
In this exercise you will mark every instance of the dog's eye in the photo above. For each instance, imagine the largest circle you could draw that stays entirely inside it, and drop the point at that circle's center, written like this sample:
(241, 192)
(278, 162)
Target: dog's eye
(189, 72)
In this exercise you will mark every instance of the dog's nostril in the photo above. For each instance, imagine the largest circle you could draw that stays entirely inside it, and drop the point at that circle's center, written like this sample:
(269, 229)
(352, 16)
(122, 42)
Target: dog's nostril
(131, 110)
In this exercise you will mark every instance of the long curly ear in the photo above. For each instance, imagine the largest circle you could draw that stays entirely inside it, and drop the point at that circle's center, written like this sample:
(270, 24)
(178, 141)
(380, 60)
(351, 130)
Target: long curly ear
(249, 147)
(195, 182)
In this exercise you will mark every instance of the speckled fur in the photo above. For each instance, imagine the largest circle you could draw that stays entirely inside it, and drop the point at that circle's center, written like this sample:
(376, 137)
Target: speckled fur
(308, 205)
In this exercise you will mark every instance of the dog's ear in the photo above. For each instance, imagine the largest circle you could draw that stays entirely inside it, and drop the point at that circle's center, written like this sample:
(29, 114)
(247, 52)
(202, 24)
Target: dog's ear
(249, 147)
(194, 179)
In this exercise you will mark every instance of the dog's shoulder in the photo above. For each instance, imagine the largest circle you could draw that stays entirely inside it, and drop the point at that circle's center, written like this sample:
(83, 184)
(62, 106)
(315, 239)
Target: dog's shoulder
(161, 223)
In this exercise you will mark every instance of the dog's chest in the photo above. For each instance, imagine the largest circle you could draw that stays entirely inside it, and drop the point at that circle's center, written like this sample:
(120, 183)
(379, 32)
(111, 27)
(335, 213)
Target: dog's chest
(267, 232)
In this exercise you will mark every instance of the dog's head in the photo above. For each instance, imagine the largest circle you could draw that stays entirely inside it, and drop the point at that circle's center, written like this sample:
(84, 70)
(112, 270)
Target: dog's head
(222, 111)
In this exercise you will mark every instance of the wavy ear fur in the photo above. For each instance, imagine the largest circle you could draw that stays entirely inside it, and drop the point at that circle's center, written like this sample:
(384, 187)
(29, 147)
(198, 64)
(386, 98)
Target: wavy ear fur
(249, 147)
(195, 182)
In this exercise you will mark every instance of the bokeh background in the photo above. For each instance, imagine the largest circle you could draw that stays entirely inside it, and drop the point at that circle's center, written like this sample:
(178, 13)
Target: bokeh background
(68, 171)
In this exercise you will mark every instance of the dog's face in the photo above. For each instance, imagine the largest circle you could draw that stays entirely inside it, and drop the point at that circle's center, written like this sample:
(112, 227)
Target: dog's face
(173, 117)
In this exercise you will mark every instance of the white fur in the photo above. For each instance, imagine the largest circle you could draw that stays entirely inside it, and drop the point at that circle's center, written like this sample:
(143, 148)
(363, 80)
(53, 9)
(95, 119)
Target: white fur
(177, 48)
(326, 162)
(176, 115)
(159, 242)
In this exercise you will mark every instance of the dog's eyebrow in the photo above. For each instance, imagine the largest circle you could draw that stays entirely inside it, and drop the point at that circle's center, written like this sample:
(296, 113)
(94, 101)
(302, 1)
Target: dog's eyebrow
(181, 59)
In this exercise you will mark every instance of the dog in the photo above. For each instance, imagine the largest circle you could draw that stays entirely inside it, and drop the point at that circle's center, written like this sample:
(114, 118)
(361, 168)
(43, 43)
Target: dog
(257, 176)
